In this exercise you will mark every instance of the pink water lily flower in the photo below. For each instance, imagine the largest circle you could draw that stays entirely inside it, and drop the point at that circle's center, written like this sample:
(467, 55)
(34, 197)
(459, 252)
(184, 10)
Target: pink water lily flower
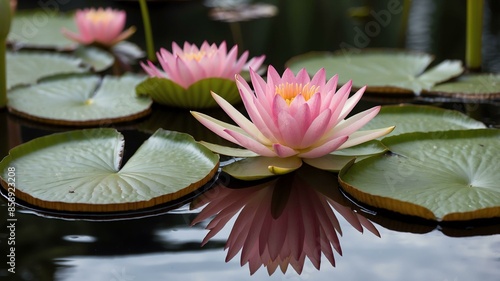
(294, 117)
(100, 26)
(190, 64)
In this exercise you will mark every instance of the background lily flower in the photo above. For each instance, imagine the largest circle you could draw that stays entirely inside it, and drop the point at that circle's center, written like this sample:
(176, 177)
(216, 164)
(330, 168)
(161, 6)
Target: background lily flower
(100, 26)
(293, 118)
(189, 74)
(190, 64)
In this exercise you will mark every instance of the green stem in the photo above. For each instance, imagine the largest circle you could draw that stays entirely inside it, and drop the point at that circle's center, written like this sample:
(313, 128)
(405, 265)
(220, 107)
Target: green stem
(474, 33)
(150, 47)
(3, 73)
(404, 22)
(236, 32)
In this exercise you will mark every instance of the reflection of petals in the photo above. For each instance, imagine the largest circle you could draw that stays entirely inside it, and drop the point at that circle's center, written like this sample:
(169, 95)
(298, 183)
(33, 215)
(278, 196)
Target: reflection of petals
(278, 223)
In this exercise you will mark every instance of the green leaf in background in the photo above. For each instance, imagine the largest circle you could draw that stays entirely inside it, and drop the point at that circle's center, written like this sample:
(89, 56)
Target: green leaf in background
(390, 72)
(81, 100)
(448, 176)
(80, 170)
(470, 86)
(42, 29)
(166, 92)
(26, 68)
(421, 118)
(99, 59)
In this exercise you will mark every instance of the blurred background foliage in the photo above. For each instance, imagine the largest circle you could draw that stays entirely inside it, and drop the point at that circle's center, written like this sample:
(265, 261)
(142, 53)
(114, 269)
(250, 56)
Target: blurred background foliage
(436, 27)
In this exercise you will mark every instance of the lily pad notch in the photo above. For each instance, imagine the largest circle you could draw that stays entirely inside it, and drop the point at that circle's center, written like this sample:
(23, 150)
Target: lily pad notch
(80, 170)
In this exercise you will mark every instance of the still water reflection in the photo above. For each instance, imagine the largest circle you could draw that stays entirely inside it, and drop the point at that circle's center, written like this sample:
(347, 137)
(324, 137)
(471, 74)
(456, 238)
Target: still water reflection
(301, 221)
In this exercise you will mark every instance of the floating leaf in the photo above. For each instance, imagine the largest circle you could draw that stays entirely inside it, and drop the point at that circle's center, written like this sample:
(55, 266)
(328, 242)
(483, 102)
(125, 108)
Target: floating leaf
(470, 86)
(254, 168)
(80, 170)
(25, 68)
(166, 92)
(42, 29)
(81, 100)
(451, 177)
(421, 118)
(99, 59)
(382, 71)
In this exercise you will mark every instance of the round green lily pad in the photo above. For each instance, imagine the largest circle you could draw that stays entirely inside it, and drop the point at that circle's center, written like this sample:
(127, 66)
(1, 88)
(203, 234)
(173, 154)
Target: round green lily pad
(470, 86)
(166, 92)
(80, 100)
(26, 68)
(383, 71)
(99, 59)
(41, 29)
(449, 176)
(421, 118)
(80, 170)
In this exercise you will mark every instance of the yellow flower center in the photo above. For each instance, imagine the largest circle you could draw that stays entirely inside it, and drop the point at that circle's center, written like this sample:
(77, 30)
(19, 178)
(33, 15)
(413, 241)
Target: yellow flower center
(289, 91)
(197, 56)
(100, 15)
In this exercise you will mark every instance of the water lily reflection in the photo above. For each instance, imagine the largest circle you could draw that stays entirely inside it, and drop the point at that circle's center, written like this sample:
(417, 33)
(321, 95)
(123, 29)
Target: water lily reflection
(282, 221)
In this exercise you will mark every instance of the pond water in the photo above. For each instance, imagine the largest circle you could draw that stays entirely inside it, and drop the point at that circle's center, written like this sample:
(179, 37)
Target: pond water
(162, 244)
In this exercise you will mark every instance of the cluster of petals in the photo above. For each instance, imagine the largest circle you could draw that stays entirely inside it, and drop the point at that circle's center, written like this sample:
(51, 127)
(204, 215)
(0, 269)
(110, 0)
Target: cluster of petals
(294, 115)
(305, 227)
(190, 64)
(100, 26)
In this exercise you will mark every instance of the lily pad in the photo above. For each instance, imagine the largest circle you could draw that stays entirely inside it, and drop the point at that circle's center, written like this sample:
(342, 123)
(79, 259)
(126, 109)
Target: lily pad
(166, 92)
(81, 100)
(421, 118)
(42, 29)
(99, 59)
(26, 68)
(451, 177)
(470, 86)
(389, 72)
(80, 170)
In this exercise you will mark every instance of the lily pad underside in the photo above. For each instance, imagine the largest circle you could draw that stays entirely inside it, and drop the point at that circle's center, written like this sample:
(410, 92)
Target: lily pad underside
(81, 100)
(383, 71)
(470, 86)
(453, 177)
(167, 92)
(80, 170)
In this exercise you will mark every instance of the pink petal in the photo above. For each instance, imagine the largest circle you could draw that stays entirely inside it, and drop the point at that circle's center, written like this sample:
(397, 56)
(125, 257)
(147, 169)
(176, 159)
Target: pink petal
(251, 144)
(351, 102)
(364, 136)
(241, 120)
(319, 78)
(316, 129)
(216, 126)
(290, 133)
(248, 99)
(325, 148)
(284, 151)
(356, 122)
